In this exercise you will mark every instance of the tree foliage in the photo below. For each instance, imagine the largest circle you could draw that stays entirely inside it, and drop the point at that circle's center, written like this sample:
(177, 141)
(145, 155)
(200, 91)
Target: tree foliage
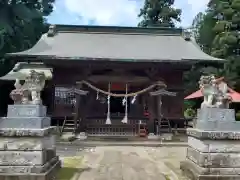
(217, 33)
(202, 27)
(226, 41)
(22, 23)
(159, 13)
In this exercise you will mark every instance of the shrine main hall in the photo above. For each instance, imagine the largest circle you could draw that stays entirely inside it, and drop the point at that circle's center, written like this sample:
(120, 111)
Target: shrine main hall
(113, 80)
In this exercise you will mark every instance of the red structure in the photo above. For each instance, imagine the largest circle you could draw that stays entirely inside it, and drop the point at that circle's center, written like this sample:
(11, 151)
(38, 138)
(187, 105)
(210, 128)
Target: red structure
(235, 96)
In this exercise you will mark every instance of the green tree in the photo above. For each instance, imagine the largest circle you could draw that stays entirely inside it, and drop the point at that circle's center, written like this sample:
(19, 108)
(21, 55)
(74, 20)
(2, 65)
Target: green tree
(202, 26)
(226, 43)
(22, 22)
(203, 34)
(159, 13)
(217, 33)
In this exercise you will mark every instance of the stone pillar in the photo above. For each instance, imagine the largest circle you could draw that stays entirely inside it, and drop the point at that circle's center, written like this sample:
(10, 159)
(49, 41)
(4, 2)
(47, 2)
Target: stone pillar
(213, 146)
(27, 144)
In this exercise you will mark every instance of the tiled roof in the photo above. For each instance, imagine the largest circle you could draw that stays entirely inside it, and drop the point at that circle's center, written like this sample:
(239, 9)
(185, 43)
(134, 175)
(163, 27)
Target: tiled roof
(116, 43)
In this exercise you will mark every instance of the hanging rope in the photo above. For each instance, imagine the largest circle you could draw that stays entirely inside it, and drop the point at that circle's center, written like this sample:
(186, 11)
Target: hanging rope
(124, 95)
(125, 118)
(97, 96)
(133, 100)
(108, 120)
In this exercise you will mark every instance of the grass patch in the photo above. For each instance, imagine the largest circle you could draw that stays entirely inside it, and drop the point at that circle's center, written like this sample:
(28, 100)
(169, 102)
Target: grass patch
(167, 177)
(70, 167)
(66, 173)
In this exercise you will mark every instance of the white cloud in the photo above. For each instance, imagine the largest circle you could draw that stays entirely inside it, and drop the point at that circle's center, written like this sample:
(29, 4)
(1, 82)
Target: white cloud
(105, 12)
(115, 12)
(197, 5)
(190, 8)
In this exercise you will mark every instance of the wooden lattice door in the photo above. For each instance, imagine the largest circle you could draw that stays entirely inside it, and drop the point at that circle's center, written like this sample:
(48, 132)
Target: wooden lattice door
(65, 100)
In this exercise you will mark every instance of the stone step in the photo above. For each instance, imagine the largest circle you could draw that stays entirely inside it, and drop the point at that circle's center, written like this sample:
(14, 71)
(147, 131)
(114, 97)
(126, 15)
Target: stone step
(68, 128)
(69, 124)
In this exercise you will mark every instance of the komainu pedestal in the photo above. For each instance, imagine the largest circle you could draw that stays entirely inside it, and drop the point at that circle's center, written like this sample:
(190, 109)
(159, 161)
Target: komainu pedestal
(213, 146)
(27, 144)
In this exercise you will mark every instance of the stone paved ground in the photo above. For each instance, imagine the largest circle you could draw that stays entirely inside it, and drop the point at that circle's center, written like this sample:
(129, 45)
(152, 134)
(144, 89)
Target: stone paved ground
(132, 163)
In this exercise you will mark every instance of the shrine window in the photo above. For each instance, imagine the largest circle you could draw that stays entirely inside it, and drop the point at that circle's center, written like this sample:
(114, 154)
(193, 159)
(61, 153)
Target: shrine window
(64, 95)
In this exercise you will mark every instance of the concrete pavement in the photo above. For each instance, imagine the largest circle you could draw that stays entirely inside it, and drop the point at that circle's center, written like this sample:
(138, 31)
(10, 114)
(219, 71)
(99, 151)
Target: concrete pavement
(130, 163)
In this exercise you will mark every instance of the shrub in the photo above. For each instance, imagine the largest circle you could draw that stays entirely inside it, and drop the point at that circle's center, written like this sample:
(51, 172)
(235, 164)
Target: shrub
(189, 113)
(238, 116)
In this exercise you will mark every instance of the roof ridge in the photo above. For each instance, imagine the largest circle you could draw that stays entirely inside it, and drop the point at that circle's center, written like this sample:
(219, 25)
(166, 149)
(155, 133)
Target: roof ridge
(121, 33)
(54, 29)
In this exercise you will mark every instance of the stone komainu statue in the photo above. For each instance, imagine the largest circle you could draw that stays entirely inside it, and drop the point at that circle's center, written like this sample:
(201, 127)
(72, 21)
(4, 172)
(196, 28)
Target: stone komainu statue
(215, 92)
(30, 91)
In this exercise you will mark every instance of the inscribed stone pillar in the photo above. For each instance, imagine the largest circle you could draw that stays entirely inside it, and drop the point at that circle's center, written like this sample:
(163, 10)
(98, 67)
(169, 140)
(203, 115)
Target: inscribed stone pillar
(213, 146)
(27, 144)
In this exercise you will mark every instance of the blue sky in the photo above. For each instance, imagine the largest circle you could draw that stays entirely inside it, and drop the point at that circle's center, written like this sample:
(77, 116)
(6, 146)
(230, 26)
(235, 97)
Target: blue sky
(114, 12)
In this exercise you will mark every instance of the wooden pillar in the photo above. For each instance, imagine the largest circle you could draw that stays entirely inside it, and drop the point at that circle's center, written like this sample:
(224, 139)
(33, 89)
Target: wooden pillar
(78, 94)
(52, 87)
(47, 96)
(76, 115)
(152, 113)
(83, 109)
(158, 94)
(52, 97)
(158, 112)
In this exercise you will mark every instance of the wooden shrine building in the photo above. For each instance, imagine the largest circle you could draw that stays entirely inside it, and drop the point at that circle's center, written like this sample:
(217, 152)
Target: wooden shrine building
(103, 76)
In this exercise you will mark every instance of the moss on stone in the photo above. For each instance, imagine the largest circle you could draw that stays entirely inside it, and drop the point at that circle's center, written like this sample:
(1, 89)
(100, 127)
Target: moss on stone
(167, 177)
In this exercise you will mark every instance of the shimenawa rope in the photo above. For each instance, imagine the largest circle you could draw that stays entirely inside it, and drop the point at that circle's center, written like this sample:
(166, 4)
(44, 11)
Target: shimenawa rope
(124, 95)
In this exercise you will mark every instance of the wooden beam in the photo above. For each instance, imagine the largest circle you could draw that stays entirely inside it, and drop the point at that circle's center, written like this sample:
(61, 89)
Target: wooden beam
(79, 91)
(118, 78)
(162, 92)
